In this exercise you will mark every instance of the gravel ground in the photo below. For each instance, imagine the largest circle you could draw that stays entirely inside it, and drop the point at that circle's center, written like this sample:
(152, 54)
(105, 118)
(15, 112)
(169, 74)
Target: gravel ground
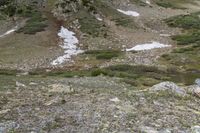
(92, 105)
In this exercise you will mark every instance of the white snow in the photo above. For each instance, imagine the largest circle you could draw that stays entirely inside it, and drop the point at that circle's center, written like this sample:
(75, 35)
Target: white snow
(69, 45)
(9, 32)
(129, 13)
(148, 46)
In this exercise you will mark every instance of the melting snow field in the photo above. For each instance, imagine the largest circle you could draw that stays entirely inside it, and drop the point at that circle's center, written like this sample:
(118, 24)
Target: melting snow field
(9, 32)
(129, 13)
(148, 46)
(69, 46)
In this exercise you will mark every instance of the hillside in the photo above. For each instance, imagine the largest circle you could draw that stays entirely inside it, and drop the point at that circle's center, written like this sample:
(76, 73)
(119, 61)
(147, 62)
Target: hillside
(100, 66)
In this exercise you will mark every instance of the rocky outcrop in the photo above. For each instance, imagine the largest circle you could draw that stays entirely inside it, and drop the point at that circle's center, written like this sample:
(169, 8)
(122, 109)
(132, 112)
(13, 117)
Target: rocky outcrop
(172, 87)
(169, 86)
(193, 89)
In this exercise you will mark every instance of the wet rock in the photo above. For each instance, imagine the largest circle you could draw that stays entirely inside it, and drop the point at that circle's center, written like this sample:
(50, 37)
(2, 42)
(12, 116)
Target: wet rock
(195, 129)
(197, 81)
(168, 86)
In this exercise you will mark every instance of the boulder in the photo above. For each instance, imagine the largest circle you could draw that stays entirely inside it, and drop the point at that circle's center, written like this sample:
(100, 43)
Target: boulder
(195, 129)
(193, 89)
(168, 86)
(197, 81)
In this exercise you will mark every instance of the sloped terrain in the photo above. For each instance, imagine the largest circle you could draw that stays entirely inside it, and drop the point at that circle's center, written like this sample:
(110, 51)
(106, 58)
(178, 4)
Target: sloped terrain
(100, 66)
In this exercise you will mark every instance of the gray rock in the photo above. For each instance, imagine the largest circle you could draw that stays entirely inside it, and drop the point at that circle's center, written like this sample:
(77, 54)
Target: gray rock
(7, 126)
(165, 131)
(197, 81)
(61, 88)
(168, 86)
(195, 129)
(193, 89)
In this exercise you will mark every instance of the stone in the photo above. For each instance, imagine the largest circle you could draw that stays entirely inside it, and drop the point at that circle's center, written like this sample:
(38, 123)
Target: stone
(53, 101)
(115, 99)
(60, 88)
(145, 129)
(193, 89)
(33, 83)
(4, 111)
(6, 126)
(18, 84)
(195, 129)
(197, 81)
(168, 86)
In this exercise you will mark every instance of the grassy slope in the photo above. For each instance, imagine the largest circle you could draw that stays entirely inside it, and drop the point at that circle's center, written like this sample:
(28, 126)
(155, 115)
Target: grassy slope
(175, 4)
(187, 55)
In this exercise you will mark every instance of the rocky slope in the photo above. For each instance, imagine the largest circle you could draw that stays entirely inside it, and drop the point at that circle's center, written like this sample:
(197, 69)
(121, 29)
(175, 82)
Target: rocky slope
(100, 66)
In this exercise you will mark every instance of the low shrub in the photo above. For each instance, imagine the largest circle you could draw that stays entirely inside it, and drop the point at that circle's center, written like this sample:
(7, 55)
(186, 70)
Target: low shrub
(104, 54)
(191, 21)
(187, 38)
(36, 23)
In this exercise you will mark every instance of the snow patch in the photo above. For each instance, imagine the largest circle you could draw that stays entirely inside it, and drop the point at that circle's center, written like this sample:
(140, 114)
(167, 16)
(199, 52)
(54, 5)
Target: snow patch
(69, 46)
(147, 46)
(9, 31)
(129, 13)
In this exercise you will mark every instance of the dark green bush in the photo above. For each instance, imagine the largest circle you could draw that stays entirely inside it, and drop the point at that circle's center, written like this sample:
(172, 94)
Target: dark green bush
(104, 54)
(187, 38)
(98, 72)
(36, 23)
(191, 21)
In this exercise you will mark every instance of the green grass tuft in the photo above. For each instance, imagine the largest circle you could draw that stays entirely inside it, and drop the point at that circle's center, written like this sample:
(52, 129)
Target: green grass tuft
(35, 23)
(189, 38)
(191, 21)
(104, 54)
